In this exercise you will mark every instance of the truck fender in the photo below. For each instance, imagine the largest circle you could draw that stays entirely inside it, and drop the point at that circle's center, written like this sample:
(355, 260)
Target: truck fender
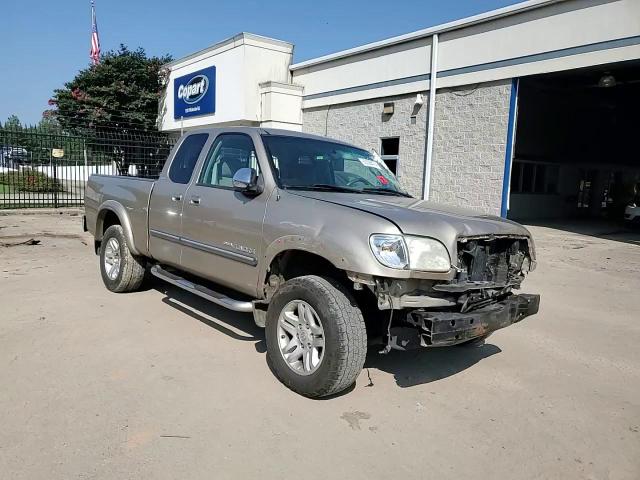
(121, 213)
(300, 243)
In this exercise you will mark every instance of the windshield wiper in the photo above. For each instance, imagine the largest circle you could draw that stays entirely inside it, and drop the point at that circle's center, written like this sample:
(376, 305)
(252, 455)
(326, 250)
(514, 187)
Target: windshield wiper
(327, 187)
(322, 187)
(384, 191)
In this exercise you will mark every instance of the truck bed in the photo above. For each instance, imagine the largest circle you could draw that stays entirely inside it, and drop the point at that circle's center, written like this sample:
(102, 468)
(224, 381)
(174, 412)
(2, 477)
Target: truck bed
(132, 193)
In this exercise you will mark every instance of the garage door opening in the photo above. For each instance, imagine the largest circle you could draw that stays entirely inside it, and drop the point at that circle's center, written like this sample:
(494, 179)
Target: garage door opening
(576, 149)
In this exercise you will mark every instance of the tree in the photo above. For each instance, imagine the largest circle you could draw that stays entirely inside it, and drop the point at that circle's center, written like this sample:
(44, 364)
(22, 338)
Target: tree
(13, 123)
(10, 136)
(121, 93)
(112, 104)
(48, 124)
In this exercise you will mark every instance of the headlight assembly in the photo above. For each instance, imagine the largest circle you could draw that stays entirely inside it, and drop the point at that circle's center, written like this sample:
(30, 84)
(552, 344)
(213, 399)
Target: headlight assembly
(390, 250)
(409, 252)
(427, 254)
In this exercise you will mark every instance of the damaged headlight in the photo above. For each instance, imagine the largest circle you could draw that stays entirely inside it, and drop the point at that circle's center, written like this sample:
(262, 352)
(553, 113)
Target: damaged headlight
(427, 254)
(416, 253)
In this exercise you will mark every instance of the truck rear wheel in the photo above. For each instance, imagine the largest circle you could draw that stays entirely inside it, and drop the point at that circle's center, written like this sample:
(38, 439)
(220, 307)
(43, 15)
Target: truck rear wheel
(121, 271)
(316, 336)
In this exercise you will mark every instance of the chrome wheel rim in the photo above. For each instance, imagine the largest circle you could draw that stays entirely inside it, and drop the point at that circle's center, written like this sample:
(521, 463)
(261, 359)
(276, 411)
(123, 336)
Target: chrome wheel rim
(112, 258)
(301, 337)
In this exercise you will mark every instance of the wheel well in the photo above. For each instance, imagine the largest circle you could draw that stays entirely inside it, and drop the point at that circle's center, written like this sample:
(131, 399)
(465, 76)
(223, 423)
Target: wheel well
(106, 218)
(109, 219)
(296, 263)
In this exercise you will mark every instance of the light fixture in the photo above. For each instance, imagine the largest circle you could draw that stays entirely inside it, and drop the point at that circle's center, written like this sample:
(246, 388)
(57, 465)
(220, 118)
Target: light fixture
(607, 80)
(387, 109)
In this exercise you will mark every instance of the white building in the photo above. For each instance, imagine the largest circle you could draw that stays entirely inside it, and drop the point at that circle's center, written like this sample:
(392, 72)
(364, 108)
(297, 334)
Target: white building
(534, 116)
(250, 84)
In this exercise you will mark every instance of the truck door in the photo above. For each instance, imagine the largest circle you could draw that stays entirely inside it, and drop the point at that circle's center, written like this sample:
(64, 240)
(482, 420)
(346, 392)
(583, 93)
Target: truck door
(167, 199)
(222, 228)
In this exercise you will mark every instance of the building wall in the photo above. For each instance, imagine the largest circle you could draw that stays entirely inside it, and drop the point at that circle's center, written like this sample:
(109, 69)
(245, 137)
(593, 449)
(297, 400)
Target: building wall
(470, 146)
(362, 124)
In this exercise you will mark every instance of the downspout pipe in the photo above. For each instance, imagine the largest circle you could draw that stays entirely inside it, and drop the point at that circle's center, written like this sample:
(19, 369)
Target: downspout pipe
(433, 80)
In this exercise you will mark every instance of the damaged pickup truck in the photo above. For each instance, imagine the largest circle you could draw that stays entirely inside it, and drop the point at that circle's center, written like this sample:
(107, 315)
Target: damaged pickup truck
(316, 239)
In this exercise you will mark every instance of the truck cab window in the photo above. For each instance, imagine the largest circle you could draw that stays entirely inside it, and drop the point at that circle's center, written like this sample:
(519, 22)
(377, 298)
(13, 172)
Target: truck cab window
(186, 158)
(228, 154)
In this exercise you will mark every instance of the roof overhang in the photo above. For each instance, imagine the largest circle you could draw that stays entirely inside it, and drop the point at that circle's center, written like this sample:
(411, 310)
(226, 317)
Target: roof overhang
(242, 38)
(445, 27)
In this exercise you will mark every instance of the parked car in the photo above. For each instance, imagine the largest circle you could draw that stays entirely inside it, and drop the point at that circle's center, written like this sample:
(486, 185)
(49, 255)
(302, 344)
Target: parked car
(318, 240)
(13, 157)
(4, 153)
(632, 213)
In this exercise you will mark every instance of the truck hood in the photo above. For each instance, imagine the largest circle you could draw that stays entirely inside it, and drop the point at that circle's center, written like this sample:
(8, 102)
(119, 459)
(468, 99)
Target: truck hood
(423, 218)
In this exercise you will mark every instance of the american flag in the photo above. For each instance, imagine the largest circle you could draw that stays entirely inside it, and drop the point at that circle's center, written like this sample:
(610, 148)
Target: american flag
(94, 53)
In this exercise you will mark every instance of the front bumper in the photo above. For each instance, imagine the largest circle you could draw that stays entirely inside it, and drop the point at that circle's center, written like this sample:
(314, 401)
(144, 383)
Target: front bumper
(439, 329)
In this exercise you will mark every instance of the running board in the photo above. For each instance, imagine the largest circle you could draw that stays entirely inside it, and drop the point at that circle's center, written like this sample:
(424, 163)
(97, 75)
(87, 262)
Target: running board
(204, 292)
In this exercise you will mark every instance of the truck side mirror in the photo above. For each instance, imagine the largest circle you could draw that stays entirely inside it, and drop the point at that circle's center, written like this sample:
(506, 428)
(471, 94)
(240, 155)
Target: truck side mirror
(246, 180)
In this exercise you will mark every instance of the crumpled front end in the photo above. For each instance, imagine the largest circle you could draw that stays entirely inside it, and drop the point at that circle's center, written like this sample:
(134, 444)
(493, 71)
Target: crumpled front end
(441, 329)
(478, 300)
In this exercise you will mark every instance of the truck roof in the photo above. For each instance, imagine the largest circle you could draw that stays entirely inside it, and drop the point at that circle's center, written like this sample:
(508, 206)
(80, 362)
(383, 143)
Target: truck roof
(267, 131)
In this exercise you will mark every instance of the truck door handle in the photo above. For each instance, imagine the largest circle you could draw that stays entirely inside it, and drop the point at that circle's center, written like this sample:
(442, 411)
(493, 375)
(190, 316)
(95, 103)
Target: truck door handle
(176, 198)
(195, 201)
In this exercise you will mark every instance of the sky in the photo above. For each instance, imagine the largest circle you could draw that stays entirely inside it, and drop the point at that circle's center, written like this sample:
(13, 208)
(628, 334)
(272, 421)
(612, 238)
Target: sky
(46, 42)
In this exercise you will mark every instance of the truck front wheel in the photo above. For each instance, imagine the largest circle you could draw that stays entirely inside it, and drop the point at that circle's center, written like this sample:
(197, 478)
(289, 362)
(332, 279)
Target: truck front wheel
(121, 271)
(316, 336)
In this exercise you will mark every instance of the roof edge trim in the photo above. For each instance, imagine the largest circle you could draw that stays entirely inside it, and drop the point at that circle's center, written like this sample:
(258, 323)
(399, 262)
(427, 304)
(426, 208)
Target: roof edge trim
(427, 32)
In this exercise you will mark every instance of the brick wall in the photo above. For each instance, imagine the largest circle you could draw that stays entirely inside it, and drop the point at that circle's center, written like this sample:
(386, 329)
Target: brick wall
(469, 146)
(362, 124)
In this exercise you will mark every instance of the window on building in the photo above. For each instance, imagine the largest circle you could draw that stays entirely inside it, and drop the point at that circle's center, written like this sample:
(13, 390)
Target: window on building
(390, 151)
(532, 177)
(186, 158)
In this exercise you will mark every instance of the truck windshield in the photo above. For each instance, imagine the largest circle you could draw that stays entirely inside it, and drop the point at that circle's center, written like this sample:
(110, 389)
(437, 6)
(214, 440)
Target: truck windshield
(310, 164)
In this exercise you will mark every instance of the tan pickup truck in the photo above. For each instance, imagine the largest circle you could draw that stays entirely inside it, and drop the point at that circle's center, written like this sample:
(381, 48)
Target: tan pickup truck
(317, 239)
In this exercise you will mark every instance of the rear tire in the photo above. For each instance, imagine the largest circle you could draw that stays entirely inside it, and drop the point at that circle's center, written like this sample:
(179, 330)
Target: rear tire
(335, 322)
(121, 271)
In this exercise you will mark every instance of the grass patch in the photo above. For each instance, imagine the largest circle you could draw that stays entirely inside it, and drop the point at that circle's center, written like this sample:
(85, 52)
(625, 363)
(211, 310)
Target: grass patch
(29, 180)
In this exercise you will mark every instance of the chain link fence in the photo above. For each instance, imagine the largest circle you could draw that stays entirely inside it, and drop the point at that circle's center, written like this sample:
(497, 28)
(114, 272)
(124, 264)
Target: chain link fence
(45, 168)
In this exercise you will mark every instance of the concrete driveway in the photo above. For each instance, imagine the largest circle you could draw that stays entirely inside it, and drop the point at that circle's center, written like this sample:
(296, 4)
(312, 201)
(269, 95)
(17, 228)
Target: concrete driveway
(161, 385)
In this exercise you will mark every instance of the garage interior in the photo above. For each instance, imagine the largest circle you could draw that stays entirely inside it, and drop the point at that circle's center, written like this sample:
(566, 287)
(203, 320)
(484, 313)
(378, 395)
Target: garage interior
(576, 150)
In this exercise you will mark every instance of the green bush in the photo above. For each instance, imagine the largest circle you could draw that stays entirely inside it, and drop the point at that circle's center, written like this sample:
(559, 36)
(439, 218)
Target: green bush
(29, 180)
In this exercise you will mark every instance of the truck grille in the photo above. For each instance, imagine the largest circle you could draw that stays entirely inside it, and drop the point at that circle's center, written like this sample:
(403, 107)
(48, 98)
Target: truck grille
(493, 260)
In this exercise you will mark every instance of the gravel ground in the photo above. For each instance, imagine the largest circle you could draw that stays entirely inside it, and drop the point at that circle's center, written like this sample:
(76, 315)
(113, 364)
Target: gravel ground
(159, 384)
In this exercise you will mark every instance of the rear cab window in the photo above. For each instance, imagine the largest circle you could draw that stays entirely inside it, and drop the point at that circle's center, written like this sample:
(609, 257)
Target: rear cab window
(186, 158)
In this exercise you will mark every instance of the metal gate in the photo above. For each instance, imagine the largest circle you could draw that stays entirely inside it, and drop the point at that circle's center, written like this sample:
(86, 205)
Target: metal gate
(44, 168)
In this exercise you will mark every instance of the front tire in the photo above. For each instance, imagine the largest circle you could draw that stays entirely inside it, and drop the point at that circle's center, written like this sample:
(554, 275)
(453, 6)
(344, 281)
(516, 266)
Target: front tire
(316, 336)
(121, 271)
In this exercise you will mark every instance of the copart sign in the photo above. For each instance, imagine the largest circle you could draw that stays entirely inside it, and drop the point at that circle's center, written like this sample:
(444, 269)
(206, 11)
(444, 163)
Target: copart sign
(195, 94)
